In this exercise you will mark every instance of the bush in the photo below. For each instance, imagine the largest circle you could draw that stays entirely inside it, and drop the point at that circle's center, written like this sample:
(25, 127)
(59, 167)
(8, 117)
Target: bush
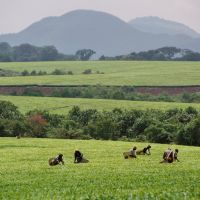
(25, 73)
(190, 134)
(58, 72)
(9, 111)
(69, 73)
(87, 71)
(32, 92)
(33, 73)
(37, 124)
(41, 73)
(175, 125)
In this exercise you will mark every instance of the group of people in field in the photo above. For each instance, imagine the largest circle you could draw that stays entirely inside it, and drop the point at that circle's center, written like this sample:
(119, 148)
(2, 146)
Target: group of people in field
(169, 156)
(78, 158)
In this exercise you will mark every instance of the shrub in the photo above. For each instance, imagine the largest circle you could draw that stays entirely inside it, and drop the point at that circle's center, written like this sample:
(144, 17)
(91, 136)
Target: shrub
(33, 73)
(70, 73)
(41, 73)
(58, 72)
(32, 92)
(37, 125)
(25, 73)
(87, 71)
(190, 134)
(9, 111)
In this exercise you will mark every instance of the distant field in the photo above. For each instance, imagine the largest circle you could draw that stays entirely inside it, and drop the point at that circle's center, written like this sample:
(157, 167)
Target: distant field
(63, 105)
(115, 73)
(25, 173)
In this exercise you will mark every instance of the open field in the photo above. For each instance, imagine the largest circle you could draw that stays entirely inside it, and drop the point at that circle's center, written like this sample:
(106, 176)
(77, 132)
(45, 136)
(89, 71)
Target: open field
(25, 174)
(116, 73)
(63, 105)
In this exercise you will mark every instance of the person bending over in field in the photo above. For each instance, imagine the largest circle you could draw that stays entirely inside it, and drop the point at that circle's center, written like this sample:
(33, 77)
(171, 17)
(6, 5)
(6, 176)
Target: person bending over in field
(57, 160)
(176, 156)
(131, 153)
(168, 156)
(78, 157)
(144, 151)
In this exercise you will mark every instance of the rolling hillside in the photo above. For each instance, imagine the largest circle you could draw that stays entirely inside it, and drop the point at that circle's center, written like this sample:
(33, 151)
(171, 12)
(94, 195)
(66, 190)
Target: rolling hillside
(63, 105)
(115, 73)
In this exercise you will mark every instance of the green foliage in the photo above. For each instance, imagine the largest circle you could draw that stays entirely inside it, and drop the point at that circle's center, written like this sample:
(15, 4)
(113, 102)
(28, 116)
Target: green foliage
(37, 124)
(84, 54)
(25, 73)
(161, 133)
(27, 52)
(58, 72)
(190, 134)
(70, 73)
(33, 73)
(8, 73)
(164, 54)
(175, 125)
(87, 71)
(32, 92)
(9, 111)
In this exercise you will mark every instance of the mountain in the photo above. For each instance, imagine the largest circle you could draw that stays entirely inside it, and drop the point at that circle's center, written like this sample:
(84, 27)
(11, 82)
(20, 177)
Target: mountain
(157, 25)
(102, 32)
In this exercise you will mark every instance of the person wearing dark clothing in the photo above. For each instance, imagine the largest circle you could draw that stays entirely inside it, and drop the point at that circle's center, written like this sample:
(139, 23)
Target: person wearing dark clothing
(168, 156)
(56, 161)
(176, 155)
(130, 154)
(78, 156)
(144, 151)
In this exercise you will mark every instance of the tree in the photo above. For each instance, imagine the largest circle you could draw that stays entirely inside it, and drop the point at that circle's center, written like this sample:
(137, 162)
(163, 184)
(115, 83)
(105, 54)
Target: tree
(85, 54)
(9, 111)
(49, 53)
(25, 52)
(37, 124)
(190, 134)
(5, 48)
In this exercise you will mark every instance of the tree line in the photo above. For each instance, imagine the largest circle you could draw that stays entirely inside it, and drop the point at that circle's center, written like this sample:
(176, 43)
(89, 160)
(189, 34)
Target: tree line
(161, 54)
(118, 93)
(181, 126)
(27, 52)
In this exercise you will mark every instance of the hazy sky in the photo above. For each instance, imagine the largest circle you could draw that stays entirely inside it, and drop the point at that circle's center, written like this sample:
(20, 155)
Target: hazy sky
(16, 15)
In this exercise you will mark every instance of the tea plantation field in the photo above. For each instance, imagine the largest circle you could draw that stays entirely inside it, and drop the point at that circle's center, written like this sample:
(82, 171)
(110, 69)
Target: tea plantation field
(25, 174)
(135, 73)
(63, 105)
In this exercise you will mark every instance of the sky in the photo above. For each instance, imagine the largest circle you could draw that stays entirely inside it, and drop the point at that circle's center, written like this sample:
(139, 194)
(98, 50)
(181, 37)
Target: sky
(15, 15)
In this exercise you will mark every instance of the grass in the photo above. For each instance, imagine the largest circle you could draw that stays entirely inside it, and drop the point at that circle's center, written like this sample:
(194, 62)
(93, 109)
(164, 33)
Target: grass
(63, 105)
(135, 73)
(25, 174)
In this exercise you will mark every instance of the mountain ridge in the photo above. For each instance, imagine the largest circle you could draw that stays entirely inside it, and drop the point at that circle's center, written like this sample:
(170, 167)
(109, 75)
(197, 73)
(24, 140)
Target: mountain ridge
(100, 31)
(157, 25)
